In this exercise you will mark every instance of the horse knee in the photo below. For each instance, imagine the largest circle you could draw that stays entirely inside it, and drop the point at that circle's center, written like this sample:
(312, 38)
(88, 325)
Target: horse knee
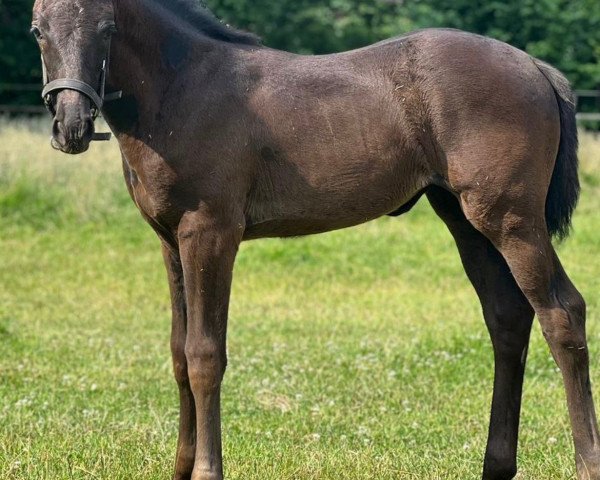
(206, 364)
(180, 369)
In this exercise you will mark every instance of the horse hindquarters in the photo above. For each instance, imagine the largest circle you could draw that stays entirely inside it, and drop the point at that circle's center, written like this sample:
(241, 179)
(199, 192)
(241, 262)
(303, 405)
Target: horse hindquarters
(507, 202)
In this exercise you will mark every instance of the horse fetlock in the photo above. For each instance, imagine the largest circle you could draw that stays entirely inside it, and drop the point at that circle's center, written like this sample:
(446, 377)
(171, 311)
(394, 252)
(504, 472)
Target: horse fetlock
(502, 467)
(507, 473)
(182, 476)
(184, 464)
(588, 468)
(588, 475)
(206, 474)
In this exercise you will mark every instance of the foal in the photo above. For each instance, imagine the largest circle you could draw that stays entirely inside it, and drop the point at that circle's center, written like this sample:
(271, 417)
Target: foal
(224, 140)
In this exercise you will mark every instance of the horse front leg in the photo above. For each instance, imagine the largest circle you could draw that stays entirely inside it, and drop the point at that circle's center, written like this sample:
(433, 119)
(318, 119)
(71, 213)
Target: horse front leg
(208, 247)
(186, 442)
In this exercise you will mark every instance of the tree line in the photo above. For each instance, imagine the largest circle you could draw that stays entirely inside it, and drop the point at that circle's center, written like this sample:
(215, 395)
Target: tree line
(565, 33)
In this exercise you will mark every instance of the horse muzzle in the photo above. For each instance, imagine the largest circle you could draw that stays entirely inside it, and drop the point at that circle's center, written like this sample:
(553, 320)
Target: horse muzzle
(75, 105)
(73, 127)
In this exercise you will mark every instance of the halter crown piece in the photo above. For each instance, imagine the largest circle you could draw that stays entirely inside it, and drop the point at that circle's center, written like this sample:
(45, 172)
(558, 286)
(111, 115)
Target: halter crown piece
(98, 98)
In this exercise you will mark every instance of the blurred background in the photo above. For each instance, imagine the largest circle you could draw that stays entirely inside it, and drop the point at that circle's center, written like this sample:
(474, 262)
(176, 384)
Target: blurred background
(565, 33)
(358, 354)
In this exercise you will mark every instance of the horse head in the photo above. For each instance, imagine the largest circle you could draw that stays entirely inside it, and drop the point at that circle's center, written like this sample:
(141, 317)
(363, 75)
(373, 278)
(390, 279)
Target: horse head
(74, 38)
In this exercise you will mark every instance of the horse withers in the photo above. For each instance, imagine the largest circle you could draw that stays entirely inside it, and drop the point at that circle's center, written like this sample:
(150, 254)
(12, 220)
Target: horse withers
(225, 140)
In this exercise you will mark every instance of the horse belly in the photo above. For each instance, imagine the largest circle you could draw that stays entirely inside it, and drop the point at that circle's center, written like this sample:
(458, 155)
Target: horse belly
(330, 195)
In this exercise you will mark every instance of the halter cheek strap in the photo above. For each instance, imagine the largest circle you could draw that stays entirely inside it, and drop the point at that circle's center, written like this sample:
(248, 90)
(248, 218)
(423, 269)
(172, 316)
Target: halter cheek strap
(97, 98)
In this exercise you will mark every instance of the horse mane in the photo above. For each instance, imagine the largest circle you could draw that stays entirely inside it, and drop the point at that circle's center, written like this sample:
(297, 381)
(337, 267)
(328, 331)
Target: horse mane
(197, 14)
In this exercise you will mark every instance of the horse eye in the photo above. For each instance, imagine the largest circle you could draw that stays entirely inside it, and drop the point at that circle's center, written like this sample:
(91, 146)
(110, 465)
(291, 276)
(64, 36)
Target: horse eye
(108, 29)
(35, 31)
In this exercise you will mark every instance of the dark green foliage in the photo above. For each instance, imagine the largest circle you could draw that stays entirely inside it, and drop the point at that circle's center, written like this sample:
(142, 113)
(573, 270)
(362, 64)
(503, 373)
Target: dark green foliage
(565, 33)
(308, 26)
(19, 56)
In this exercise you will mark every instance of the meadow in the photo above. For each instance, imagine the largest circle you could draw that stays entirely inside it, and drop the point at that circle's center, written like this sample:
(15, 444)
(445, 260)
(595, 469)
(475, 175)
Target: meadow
(359, 354)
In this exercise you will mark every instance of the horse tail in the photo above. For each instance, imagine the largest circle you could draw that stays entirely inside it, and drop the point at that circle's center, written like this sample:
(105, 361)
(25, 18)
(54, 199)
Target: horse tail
(564, 189)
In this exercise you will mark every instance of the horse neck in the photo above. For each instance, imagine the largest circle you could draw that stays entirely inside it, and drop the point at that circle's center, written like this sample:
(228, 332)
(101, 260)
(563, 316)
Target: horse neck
(147, 35)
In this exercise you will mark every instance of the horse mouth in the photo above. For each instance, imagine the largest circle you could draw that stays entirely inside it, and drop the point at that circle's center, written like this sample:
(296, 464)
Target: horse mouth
(72, 147)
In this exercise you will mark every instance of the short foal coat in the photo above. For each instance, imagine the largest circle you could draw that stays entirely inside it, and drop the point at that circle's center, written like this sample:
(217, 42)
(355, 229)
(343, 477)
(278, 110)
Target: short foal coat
(224, 140)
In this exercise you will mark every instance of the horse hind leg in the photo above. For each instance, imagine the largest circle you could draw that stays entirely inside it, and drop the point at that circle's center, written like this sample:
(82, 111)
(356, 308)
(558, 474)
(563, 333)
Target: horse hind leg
(508, 317)
(516, 225)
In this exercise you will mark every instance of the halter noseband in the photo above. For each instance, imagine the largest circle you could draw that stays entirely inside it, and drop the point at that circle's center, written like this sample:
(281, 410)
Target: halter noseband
(97, 98)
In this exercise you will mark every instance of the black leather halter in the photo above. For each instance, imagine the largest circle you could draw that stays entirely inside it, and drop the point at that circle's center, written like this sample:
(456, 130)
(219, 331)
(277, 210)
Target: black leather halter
(98, 98)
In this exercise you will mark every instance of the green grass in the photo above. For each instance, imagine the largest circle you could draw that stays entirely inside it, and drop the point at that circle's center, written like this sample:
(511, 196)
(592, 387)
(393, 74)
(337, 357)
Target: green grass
(359, 354)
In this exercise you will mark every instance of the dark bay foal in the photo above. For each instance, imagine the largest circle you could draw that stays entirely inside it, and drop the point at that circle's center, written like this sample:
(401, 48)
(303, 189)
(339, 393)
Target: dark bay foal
(224, 140)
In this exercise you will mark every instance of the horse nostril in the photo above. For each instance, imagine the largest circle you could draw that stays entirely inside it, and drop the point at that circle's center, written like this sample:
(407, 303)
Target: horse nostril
(58, 131)
(55, 144)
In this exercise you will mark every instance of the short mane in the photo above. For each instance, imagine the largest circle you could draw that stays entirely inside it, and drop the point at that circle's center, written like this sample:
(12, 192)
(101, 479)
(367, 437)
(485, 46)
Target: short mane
(197, 14)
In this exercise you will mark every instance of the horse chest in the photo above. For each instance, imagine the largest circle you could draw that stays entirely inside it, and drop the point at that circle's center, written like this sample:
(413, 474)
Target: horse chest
(149, 189)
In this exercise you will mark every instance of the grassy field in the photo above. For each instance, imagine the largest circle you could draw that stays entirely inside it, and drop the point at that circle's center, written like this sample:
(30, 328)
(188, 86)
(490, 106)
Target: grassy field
(359, 354)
